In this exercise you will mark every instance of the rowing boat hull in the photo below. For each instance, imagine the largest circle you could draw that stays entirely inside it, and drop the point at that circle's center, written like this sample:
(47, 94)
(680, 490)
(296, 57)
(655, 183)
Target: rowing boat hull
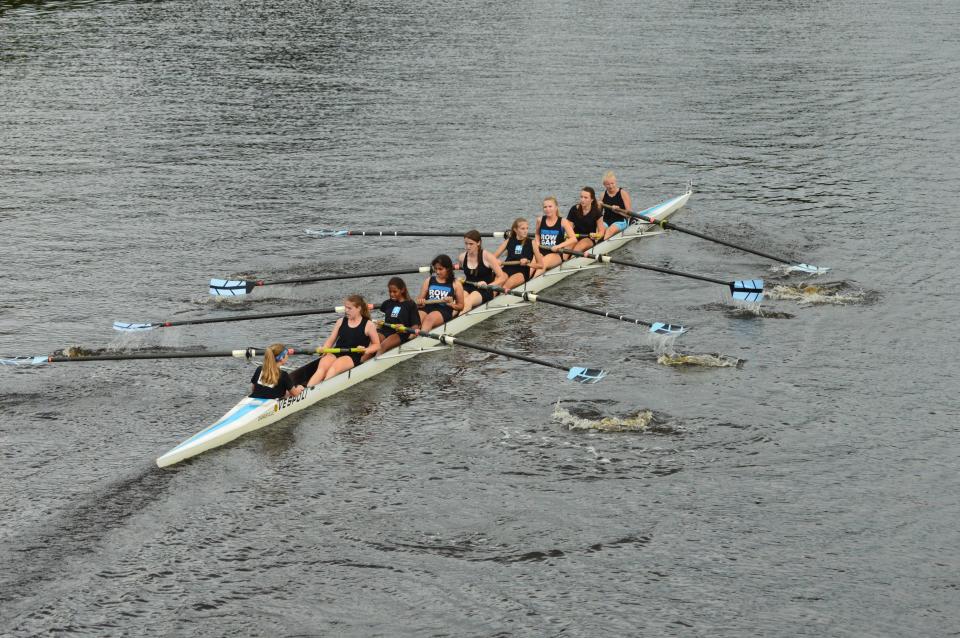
(252, 414)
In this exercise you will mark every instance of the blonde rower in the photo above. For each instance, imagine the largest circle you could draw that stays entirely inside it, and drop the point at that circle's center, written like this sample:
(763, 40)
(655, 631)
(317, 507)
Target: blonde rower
(519, 248)
(552, 234)
(614, 196)
(353, 330)
(269, 381)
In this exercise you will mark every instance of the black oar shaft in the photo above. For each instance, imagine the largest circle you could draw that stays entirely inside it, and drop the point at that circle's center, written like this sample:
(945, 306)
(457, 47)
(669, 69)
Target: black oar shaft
(242, 353)
(633, 264)
(266, 315)
(304, 280)
(451, 340)
(663, 223)
(536, 298)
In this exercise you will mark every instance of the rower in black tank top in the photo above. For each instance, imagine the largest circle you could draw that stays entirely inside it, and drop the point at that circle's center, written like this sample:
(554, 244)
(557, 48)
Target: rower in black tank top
(482, 272)
(349, 337)
(583, 224)
(437, 290)
(551, 236)
(610, 217)
(515, 252)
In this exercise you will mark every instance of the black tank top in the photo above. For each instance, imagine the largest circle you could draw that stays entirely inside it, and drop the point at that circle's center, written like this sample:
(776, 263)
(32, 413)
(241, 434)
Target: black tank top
(348, 337)
(609, 216)
(583, 224)
(482, 272)
(551, 235)
(517, 250)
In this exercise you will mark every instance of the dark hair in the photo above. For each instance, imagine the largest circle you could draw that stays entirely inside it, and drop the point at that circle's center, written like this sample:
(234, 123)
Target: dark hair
(594, 206)
(400, 285)
(446, 262)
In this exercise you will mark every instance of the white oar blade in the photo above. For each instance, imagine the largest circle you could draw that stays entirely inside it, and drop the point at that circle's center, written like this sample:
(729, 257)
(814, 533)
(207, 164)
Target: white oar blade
(667, 329)
(23, 361)
(327, 232)
(748, 290)
(228, 287)
(807, 268)
(132, 327)
(586, 375)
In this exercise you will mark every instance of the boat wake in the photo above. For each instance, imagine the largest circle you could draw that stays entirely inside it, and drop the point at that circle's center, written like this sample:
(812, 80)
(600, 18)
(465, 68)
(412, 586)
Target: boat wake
(834, 292)
(689, 360)
(585, 419)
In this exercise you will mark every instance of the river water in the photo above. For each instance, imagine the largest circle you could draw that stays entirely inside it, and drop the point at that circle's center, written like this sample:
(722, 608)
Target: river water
(813, 490)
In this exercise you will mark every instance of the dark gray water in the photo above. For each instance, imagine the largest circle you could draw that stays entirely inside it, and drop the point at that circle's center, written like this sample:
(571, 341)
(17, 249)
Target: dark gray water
(147, 147)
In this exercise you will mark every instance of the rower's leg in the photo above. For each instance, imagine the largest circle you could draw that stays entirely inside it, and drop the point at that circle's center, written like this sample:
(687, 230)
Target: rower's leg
(583, 245)
(388, 343)
(326, 361)
(514, 280)
(341, 364)
(430, 321)
(549, 261)
(470, 300)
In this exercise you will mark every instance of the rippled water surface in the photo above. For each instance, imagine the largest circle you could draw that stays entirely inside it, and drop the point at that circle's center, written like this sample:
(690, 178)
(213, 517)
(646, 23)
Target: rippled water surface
(810, 488)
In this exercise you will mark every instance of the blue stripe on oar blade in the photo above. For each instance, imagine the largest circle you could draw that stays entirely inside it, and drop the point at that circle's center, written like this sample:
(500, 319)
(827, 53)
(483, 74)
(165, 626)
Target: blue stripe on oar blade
(228, 287)
(813, 270)
(132, 327)
(667, 329)
(586, 375)
(749, 290)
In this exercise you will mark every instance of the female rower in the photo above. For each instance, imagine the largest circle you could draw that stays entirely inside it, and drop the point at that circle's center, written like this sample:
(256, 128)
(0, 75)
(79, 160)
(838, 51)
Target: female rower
(519, 248)
(351, 331)
(613, 196)
(399, 308)
(552, 234)
(481, 266)
(587, 220)
(269, 381)
(440, 295)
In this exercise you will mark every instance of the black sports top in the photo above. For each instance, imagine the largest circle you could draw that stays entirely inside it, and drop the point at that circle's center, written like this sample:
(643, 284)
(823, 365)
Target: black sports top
(583, 224)
(348, 337)
(402, 312)
(517, 250)
(610, 217)
(482, 272)
(276, 391)
(551, 235)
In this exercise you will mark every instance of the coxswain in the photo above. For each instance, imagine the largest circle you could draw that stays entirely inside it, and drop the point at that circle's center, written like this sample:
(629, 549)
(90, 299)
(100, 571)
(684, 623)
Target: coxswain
(440, 295)
(353, 330)
(612, 196)
(552, 234)
(521, 260)
(400, 309)
(271, 382)
(479, 266)
(587, 220)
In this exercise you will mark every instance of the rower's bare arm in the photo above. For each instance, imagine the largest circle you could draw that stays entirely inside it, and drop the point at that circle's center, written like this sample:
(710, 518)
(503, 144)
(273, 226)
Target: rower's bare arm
(571, 235)
(423, 292)
(501, 248)
(374, 336)
(332, 339)
(457, 295)
(500, 277)
(626, 200)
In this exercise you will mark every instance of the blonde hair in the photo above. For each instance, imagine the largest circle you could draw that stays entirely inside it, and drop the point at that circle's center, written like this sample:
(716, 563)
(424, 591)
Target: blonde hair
(608, 175)
(270, 372)
(361, 303)
(552, 198)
